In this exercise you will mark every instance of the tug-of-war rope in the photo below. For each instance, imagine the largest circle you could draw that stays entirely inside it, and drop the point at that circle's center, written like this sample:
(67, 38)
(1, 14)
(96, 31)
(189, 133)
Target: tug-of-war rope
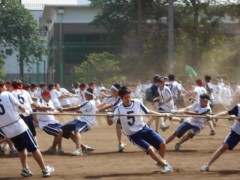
(166, 115)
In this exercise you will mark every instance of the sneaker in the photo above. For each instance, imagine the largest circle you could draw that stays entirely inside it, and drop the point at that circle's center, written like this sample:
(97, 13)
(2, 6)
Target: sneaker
(121, 147)
(5, 146)
(164, 128)
(26, 172)
(60, 151)
(177, 147)
(77, 152)
(14, 152)
(50, 151)
(87, 149)
(212, 133)
(47, 171)
(204, 168)
(167, 169)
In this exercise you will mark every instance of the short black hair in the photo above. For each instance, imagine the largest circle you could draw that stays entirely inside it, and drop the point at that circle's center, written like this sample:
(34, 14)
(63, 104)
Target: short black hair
(124, 90)
(160, 79)
(208, 78)
(171, 77)
(205, 96)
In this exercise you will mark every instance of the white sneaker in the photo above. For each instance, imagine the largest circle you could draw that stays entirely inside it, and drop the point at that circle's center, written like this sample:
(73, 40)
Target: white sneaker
(60, 151)
(204, 168)
(87, 149)
(5, 146)
(164, 128)
(167, 169)
(77, 152)
(47, 171)
(121, 147)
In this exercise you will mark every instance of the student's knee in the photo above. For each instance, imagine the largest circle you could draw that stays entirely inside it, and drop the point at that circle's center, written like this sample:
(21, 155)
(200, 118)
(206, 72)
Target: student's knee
(60, 132)
(151, 150)
(224, 147)
(162, 145)
(190, 133)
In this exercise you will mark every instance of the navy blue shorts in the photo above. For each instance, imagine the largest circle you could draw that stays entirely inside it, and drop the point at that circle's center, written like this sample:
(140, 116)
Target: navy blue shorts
(232, 140)
(184, 127)
(25, 140)
(145, 138)
(52, 129)
(2, 135)
(74, 125)
(30, 123)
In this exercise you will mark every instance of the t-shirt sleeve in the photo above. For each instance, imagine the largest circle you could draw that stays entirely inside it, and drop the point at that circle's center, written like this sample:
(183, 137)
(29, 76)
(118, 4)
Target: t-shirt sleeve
(116, 112)
(13, 100)
(233, 111)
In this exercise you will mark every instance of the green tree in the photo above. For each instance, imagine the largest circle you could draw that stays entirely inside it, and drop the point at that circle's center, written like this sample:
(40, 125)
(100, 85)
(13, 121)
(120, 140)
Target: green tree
(99, 67)
(19, 31)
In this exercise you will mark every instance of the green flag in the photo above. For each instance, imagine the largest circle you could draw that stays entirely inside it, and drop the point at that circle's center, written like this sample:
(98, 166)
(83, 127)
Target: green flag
(191, 71)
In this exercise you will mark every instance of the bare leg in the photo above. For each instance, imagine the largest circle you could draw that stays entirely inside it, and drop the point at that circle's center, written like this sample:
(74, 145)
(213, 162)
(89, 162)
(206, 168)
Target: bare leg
(171, 137)
(218, 153)
(23, 158)
(162, 149)
(77, 139)
(39, 159)
(119, 133)
(189, 135)
(156, 157)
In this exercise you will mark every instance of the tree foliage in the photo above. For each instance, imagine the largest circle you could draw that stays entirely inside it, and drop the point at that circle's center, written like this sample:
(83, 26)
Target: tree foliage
(99, 67)
(199, 29)
(20, 32)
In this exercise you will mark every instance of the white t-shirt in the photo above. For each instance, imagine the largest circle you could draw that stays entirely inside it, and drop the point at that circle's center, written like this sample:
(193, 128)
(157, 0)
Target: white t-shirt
(130, 124)
(196, 107)
(10, 122)
(65, 101)
(165, 94)
(226, 95)
(199, 90)
(209, 89)
(88, 107)
(235, 111)
(174, 87)
(45, 119)
(24, 98)
(217, 94)
(114, 101)
(54, 97)
(34, 94)
(81, 94)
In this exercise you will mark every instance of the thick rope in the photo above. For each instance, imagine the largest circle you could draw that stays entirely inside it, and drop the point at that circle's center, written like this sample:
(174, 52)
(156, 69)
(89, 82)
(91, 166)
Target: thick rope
(168, 115)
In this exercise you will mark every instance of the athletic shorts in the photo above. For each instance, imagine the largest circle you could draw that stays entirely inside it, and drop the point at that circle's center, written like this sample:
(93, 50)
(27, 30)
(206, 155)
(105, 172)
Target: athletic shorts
(30, 123)
(232, 139)
(74, 125)
(184, 127)
(145, 138)
(2, 135)
(25, 140)
(52, 129)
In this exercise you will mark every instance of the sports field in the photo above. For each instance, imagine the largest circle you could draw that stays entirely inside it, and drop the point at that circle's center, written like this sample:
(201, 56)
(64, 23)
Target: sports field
(106, 163)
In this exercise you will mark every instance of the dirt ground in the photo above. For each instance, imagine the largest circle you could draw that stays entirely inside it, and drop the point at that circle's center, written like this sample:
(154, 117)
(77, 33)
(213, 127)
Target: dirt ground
(106, 163)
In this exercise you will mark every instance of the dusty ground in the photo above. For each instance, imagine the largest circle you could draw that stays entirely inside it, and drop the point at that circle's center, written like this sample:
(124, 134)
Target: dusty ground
(106, 163)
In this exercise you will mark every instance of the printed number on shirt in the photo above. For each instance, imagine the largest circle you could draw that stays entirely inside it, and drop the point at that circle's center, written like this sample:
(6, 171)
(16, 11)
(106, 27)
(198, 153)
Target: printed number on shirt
(2, 110)
(20, 98)
(131, 118)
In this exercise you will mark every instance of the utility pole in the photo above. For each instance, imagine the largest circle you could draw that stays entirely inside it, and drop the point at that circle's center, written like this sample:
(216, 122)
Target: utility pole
(170, 36)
